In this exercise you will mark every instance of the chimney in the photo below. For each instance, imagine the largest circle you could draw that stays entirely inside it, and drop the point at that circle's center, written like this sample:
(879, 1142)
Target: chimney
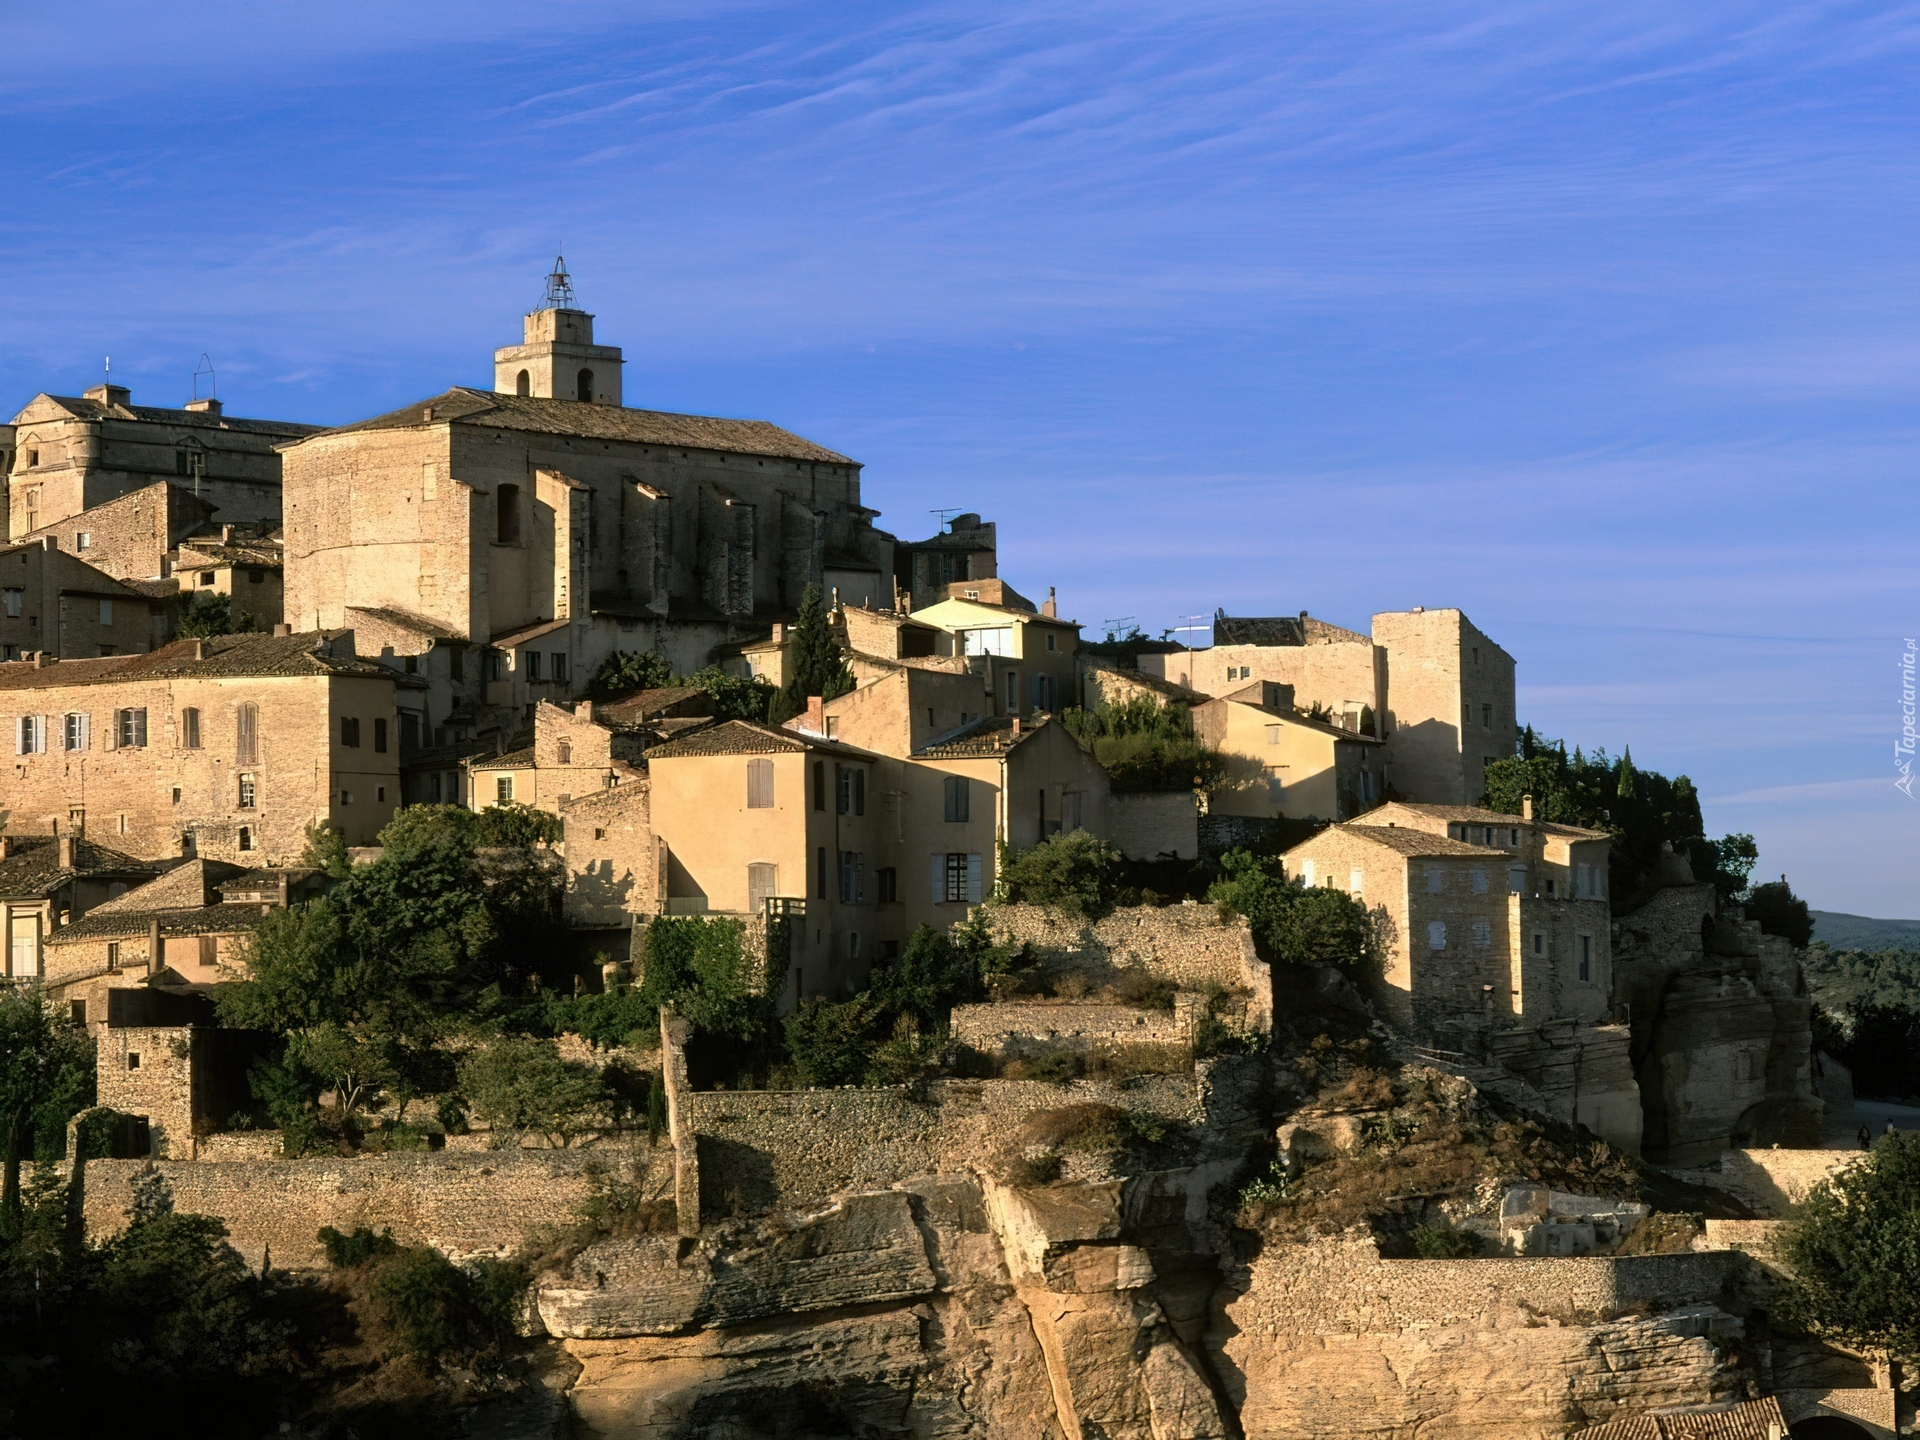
(67, 855)
(156, 947)
(1051, 608)
(584, 710)
(816, 715)
(779, 633)
(109, 394)
(226, 534)
(1016, 727)
(283, 889)
(427, 414)
(8, 847)
(199, 649)
(282, 628)
(203, 407)
(1526, 807)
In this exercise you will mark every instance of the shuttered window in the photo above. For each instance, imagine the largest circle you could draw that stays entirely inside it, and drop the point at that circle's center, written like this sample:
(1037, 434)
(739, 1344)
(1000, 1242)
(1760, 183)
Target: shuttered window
(78, 729)
(189, 729)
(959, 803)
(130, 727)
(759, 784)
(246, 746)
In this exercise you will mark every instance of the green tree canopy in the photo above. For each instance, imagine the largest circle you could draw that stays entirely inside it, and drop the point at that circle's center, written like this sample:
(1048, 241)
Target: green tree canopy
(627, 672)
(815, 664)
(1144, 745)
(46, 1077)
(1076, 873)
(207, 615)
(1293, 924)
(1854, 1247)
(1780, 912)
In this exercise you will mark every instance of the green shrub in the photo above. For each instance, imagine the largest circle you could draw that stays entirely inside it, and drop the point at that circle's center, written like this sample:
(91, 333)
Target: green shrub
(440, 1312)
(514, 823)
(1854, 1249)
(523, 1086)
(1443, 1242)
(906, 1057)
(1075, 874)
(831, 1044)
(362, 1247)
(1042, 1168)
(1294, 924)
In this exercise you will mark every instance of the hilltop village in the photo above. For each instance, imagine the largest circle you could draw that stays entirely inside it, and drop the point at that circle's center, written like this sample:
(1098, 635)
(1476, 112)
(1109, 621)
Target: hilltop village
(1130, 1196)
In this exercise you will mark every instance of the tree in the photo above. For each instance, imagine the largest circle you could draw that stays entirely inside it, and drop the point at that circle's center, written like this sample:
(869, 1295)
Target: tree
(326, 849)
(815, 664)
(516, 824)
(1075, 873)
(46, 1076)
(1854, 1246)
(208, 615)
(1292, 923)
(1780, 912)
(522, 1085)
(1144, 745)
(737, 697)
(831, 1044)
(625, 673)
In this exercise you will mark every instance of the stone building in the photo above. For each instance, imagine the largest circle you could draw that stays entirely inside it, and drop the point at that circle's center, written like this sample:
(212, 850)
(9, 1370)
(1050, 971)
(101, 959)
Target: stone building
(134, 536)
(225, 748)
(75, 453)
(1428, 682)
(966, 549)
(48, 881)
(574, 752)
(57, 605)
(1280, 762)
(1026, 654)
(245, 566)
(543, 532)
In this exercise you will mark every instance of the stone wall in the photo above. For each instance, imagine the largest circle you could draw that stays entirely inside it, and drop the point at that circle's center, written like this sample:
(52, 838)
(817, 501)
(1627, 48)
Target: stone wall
(1154, 826)
(469, 1203)
(994, 1028)
(1770, 1181)
(150, 1071)
(1189, 945)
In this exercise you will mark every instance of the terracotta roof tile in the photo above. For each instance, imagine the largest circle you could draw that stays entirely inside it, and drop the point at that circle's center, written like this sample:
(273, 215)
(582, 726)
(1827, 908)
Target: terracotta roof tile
(990, 735)
(742, 737)
(237, 656)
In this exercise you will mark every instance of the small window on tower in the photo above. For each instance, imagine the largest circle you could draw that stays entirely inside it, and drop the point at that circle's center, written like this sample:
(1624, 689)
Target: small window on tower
(523, 384)
(506, 503)
(586, 387)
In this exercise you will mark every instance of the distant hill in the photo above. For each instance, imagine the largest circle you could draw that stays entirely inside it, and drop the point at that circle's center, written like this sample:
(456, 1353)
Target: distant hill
(1857, 932)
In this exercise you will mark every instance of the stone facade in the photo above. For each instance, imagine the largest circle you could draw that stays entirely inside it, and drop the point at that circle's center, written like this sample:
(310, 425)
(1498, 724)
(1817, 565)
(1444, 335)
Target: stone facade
(1154, 824)
(226, 748)
(54, 604)
(74, 453)
(1280, 762)
(613, 869)
(131, 537)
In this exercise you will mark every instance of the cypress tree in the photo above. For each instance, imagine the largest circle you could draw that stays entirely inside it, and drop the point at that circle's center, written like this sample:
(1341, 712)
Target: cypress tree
(815, 665)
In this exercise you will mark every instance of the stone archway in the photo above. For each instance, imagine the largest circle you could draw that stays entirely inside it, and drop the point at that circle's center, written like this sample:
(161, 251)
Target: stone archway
(1829, 1427)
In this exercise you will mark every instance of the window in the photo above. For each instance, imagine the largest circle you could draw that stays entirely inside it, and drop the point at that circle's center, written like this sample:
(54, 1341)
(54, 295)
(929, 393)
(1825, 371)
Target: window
(956, 878)
(1276, 787)
(1516, 879)
(820, 872)
(1356, 880)
(559, 670)
(83, 540)
(1513, 836)
(759, 784)
(1273, 734)
(9, 652)
(599, 833)
(350, 731)
(997, 641)
(565, 752)
(1482, 934)
(1539, 942)
(379, 735)
(1486, 717)
(503, 789)
(584, 381)
(853, 877)
(113, 954)
(380, 794)
(14, 595)
(523, 384)
(346, 797)
(1476, 654)
(1043, 693)
(32, 739)
(530, 662)
(1436, 935)
(506, 515)
(1436, 879)
(189, 729)
(886, 885)
(433, 787)
(246, 734)
(1306, 873)
(106, 650)
(833, 726)
(246, 792)
(1050, 638)
(133, 1060)
(130, 728)
(106, 612)
(75, 730)
(1478, 881)
(457, 663)
(958, 801)
(1586, 957)
(1550, 888)
(77, 1011)
(1582, 882)
(204, 578)
(33, 458)
(1071, 811)
(176, 795)
(256, 577)
(819, 784)
(763, 883)
(853, 789)
(246, 837)
(180, 462)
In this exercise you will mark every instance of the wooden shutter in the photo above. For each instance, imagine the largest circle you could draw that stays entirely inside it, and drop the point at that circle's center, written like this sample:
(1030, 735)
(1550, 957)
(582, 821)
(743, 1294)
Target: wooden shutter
(939, 878)
(973, 879)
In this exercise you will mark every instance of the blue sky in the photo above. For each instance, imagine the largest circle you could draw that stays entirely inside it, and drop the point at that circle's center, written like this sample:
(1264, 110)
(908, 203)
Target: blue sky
(1599, 323)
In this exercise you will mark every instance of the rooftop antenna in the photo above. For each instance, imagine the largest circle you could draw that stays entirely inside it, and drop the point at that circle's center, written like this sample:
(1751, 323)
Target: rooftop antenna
(1112, 627)
(205, 367)
(109, 369)
(1184, 629)
(944, 515)
(559, 287)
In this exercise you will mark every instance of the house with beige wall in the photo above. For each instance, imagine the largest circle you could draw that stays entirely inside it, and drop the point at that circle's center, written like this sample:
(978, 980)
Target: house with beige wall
(1280, 762)
(56, 604)
(1026, 654)
(242, 565)
(49, 881)
(134, 536)
(572, 754)
(226, 748)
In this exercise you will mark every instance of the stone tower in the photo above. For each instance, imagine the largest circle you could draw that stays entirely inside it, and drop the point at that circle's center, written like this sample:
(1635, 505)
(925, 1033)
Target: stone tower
(558, 359)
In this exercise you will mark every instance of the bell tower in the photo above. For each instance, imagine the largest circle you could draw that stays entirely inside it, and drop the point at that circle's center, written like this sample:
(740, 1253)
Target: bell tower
(557, 359)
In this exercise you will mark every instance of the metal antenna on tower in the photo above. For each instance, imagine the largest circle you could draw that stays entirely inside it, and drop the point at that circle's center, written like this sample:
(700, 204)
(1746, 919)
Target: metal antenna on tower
(945, 515)
(205, 367)
(559, 287)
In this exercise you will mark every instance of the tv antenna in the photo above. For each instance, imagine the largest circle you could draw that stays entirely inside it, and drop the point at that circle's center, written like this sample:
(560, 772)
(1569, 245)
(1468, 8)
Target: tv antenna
(1112, 627)
(205, 367)
(559, 287)
(945, 515)
(1189, 628)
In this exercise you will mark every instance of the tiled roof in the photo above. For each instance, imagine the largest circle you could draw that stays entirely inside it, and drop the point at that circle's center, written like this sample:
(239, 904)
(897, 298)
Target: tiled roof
(641, 705)
(262, 556)
(204, 920)
(532, 630)
(609, 797)
(988, 736)
(405, 620)
(1165, 689)
(1253, 695)
(35, 869)
(1748, 1420)
(461, 405)
(1478, 815)
(233, 656)
(82, 408)
(742, 737)
(1405, 841)
(512, 760)
(1301, 629)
